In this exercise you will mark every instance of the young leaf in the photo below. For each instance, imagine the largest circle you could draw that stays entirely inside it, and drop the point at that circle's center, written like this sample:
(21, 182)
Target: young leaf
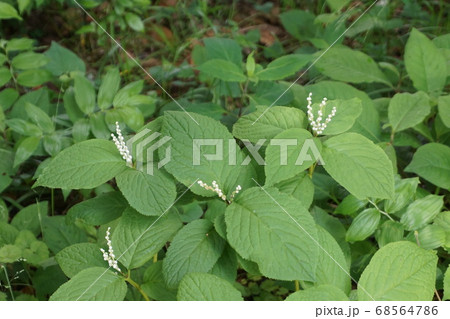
(432, 162)
(422, 212)
(195, 248)
(108, 286)
(261, 231)
(425, 64)
(363, 225)
(264, 124)
(78, 257)
(84, 165)
(344, 64)
(399, 271)
(137, 238)
(407, 110)
(206, 287)
(359, 165)
(320, 293)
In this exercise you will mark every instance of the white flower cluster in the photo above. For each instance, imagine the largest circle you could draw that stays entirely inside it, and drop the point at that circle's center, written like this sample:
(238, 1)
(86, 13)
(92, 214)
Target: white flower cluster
(215, 188)
(317, 124)
(121, 146)
(109, 256)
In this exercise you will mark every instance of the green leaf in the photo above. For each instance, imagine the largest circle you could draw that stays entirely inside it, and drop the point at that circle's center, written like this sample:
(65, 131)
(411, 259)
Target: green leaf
(40, 118)
(347, 111)
(29, 60)
(268, 124)
(127, 92)
(447, 284)
(444, 109)
(405, 189)
(350, 205)
(99, 210)
(25, 149)
(300, 24)
(78, 257)
(344, 64)
(431, 237)
(300, 187)
(425, 64)
(23, 127)
(84, 94)
(154, 285)
(223, 70)
(53, 143)
(283, 67)
(20, 44)
(148, 194)
(195, 248)
(226, 266)
(34, 77)
(432, 162)
(320, 293)
(63, 60)
(108, 287)
(224, 49)
(33, 251)
(189, 165)
(389, 232)
(399, 271)
(363, 225)
(138, 238)
(287, 160)
(58, 234)
(359, 165)
(8, 233)
(134, 22)
(29, 217)
(422, 212)
(5, 76)
(7, 11)
(84, 165)
(261, 231)
(108, 88)
(407, 110)
(206, 287)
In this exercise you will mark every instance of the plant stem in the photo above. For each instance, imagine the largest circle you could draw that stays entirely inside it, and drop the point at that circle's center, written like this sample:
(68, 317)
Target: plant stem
(137, 286)
(155, 258)
(9, 283)
(297, 285)
(382, 212)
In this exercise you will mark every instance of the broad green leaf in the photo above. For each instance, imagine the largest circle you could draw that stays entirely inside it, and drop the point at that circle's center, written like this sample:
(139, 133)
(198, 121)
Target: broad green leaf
(190, 161)
(260, 229)
(226, 266)
(20, 44)
(5, 75)
(431, 237)
(70, 105)
(443, 220)
(300, 187)
(58, 235)
(7, 98)
(224, 49)
(347, 111)
(154, 285)
(223, 70)
(124, 94)
(84, 94)
(425, 64)
(432, 162)
(98, 210)
(29, 60)
(138, 238)
(283, 67)
(399, 271)
(390, 231)
(297, 152)
(80, 130)
(447, 284)
(264, 124)
(84, 165)
(347, 65)
(108, 88)
(53, 143)
(206, 287)
(78, 257)
(148, 194)
(108, 286)
(4, 214)
(63, 60)
(25, 149)
(359, 165)
(444, 109)
(98, 126)
(407, 110)
(422, 212)
(33, 250)
(320, 293)
(10, 253)
(405, 189)
(195, 248)
(350, 205)
(7, 11)
(29, 217)
(132, 117)
(23, 127)
(134, 22)
(363, 225)
(299, 23)
(8, 233)
(336, 5)
(42, 120)
(34, 77)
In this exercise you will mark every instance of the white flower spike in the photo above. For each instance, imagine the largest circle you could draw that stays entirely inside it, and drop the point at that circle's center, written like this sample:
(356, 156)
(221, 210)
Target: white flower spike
(317, 125)
(215, 188)
(109, 256)
(121, 146)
